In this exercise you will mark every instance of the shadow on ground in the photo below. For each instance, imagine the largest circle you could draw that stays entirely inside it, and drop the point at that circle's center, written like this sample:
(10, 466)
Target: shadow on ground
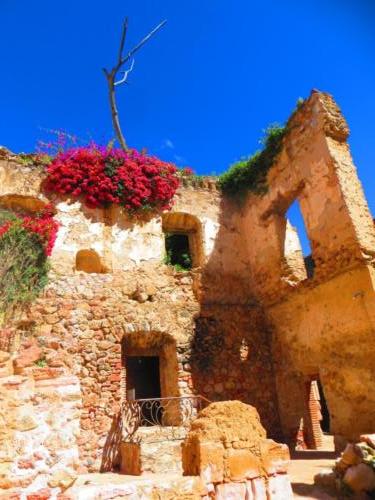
(304, 465)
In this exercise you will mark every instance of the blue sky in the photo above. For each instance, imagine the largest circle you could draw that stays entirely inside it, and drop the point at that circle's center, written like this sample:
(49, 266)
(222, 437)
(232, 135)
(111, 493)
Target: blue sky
(203, 89)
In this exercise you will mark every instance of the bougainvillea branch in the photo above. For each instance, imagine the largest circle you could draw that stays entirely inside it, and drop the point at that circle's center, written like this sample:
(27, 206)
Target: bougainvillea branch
(111, 76)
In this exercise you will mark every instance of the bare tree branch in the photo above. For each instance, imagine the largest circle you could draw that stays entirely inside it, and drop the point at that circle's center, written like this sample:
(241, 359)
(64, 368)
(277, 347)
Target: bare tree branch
(123, 38)
(142, 42)
(112, 74)
(126, 74)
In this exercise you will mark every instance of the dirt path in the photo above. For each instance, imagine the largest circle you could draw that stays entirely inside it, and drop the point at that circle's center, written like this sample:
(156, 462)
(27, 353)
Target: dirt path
(304, 466)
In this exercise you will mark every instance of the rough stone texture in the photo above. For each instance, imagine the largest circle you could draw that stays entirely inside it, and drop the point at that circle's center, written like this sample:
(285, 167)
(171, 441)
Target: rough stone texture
(155, 452)
(39, 422)
(322, 327)
(246, 323)
(353, 470)
(227, 446)
(86, 323)
(114, 486)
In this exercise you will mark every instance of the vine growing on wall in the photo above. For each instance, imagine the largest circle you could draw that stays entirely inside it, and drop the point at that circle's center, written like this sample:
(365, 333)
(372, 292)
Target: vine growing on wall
(250, 174)
(25, 244)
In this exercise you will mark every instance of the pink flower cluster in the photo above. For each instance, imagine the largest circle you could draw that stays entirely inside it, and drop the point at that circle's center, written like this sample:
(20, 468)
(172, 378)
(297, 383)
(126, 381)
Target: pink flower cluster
(43, 225)
(103, 176)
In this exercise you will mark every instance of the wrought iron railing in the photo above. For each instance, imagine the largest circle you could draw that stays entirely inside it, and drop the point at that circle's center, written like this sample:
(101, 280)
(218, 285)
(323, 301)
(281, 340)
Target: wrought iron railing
(165, 418)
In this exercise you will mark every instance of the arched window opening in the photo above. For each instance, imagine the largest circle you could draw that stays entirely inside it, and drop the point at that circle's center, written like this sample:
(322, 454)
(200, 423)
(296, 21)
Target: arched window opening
(183, 240)
(89, 261)
(297, 243)
(177, 250)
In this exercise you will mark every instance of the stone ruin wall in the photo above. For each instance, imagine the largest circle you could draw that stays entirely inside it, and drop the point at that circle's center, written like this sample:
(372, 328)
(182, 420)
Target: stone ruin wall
(323, 328)
(246, 306)
(212, 339)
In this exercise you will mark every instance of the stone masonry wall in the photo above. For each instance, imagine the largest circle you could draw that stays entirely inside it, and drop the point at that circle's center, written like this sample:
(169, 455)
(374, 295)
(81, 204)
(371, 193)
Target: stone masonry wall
(85, 323)
(323, 327)
(39, 424)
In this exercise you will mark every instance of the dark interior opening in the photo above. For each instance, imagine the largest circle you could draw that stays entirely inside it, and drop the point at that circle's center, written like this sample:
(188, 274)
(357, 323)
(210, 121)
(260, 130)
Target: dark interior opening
(309, 266)
(143, 380)
(325, 422)
(178, 250)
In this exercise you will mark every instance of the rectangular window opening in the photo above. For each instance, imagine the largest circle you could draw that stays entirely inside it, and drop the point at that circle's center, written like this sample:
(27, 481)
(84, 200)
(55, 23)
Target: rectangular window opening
(295, 217)
(178, 252)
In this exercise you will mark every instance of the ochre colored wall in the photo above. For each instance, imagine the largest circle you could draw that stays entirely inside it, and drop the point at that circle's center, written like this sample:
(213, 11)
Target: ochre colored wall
(322, 327)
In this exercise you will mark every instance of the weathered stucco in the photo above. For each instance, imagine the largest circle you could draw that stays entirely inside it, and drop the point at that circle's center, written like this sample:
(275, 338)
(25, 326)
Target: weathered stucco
(322, 327)
(246, 323)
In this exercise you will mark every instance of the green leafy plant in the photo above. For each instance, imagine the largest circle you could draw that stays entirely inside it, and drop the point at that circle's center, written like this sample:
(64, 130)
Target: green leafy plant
(250, 174)
(34, 159)
(41, 363)
(25, 244)
(177, 252)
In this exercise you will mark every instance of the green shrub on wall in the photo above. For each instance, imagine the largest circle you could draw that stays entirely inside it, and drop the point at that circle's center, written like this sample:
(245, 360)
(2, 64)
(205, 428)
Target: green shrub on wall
(23, 267)
(250, 174)
(25, 244)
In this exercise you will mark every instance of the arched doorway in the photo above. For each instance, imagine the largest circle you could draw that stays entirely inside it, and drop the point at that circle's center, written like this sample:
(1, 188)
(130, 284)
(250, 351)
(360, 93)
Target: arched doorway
(150, 376)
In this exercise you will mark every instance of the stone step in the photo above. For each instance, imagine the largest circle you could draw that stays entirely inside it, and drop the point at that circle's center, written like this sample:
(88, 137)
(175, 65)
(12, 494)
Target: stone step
(158, 450)
(116, 486)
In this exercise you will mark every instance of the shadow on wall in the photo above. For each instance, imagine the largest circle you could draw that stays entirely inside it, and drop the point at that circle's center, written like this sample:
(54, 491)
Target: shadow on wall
(111, 451)
(230, 354)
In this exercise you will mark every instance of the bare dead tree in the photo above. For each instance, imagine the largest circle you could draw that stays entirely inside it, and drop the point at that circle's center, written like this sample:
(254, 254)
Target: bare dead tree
(112, 75)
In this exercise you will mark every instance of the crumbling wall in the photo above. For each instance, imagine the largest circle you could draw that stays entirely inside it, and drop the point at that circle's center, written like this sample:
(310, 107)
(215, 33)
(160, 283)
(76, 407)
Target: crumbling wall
(85, 322)
(228, 448)
(323, 327)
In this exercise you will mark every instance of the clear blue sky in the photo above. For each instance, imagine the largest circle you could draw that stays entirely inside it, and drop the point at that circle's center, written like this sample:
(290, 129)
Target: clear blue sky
(203, 89)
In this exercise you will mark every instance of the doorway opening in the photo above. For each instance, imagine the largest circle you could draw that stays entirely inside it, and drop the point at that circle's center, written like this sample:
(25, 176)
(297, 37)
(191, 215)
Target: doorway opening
(325, 421)
(143, 382)
(316, 421)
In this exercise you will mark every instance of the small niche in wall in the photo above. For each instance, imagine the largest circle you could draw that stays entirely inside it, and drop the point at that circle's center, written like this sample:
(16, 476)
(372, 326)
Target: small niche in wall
(296, 239)
(89, 261)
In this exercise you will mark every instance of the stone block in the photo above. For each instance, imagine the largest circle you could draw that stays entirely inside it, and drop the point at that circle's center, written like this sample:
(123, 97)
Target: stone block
(360, 478)
(350, 456)
(231, 491)
(6, 368)
(204, 459)
(258, 487)
(279, 488)
(62, 478)
(275, 457)
(242, 465)
(25, 423)
(4, 356)
(27, 356)
(42, 494)
(130, 459)
(369, 439)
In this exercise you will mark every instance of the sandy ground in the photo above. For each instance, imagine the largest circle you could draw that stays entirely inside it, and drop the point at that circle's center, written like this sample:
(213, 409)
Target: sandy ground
(304, 466)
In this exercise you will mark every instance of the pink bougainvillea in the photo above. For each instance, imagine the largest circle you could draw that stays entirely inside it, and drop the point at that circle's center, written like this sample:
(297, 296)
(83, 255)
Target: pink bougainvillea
(42, 224)
(45, 226)
(102, 176)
